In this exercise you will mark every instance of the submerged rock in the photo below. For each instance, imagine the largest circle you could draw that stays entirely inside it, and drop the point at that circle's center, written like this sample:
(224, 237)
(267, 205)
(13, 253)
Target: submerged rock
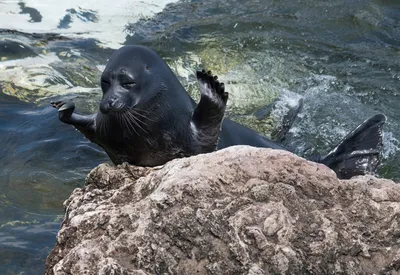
(241, 210)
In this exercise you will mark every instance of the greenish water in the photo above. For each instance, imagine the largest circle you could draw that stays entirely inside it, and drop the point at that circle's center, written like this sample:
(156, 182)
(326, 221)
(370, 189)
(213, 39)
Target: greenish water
(341, 57)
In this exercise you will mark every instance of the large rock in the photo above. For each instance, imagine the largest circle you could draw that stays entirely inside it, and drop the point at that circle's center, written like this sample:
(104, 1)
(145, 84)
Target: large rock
(241, 210)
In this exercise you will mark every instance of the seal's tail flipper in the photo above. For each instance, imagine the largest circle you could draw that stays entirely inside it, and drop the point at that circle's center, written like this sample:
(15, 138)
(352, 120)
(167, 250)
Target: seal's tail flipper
(360, 152)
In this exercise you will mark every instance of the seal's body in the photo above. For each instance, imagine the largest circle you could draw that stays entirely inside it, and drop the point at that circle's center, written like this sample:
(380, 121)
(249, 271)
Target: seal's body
(147, 118)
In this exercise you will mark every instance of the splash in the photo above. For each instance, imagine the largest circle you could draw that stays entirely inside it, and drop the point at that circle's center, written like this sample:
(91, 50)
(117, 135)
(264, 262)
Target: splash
(99, 19)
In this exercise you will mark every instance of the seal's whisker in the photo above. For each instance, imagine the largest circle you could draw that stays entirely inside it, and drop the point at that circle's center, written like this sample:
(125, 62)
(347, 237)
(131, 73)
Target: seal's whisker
(102, 124)
(138, 120)
(122, 121)
(137, 113)
(141, 110)
(134, 120)
(129, 122)
(129, 114)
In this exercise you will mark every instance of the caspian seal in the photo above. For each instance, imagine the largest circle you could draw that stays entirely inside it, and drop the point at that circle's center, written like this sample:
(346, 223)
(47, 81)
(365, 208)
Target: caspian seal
(147, 118)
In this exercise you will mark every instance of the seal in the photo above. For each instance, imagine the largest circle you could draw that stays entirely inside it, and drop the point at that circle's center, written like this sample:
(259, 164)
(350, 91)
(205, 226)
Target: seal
(147, 118)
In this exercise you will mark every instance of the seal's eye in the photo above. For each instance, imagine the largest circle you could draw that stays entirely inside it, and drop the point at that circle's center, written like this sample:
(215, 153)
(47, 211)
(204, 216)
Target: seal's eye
(128, 85)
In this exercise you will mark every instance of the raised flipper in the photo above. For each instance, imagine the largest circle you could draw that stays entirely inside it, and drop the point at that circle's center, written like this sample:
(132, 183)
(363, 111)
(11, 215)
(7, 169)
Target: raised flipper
(360, 152)
(85, 124)
(209, 113)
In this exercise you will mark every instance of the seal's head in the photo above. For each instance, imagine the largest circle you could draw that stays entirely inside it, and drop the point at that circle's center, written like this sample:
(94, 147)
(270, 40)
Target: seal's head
(145, 112)
(134, 76)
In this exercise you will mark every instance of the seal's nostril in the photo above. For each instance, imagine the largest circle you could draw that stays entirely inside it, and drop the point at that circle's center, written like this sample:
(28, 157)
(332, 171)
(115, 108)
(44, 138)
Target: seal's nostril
(111, 101)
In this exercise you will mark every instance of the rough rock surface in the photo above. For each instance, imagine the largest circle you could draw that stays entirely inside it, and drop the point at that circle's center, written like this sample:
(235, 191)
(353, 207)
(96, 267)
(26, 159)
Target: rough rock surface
(241, 210)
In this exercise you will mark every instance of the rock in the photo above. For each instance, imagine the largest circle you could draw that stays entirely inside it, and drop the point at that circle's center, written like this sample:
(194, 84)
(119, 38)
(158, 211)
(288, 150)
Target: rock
(241, 210)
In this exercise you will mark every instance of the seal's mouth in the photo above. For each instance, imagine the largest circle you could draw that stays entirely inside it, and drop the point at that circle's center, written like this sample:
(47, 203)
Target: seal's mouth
(112, 106)
(131, 120)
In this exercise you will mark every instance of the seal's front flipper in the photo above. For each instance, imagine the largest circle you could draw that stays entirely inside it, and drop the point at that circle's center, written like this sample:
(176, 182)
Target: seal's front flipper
(360, 152)
(209, 113)
(84, 123)
(211, 90)
(65, 110)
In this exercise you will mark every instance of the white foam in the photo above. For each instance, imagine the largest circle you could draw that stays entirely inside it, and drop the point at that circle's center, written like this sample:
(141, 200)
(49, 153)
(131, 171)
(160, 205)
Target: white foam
(287, 101)
(109, 29)
(390, 144)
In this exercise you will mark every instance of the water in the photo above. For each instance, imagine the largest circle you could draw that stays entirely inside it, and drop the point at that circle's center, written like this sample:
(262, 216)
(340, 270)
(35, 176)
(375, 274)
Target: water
(341, 57)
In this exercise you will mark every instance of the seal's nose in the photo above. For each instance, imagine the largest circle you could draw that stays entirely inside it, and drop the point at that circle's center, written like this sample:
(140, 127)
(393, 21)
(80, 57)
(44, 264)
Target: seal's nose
(111, 101)
(107, 104)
